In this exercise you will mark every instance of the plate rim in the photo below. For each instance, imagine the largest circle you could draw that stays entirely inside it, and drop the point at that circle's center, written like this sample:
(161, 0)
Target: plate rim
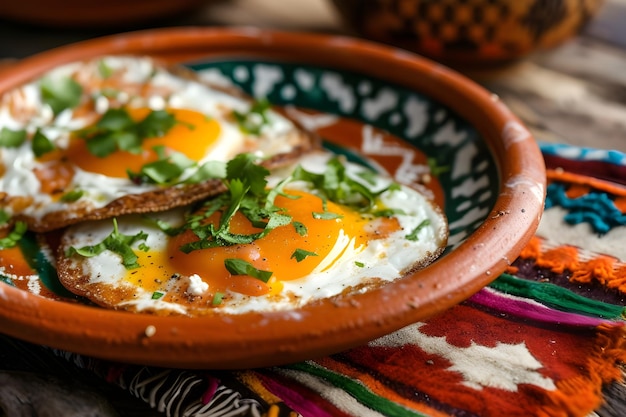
(262, 339)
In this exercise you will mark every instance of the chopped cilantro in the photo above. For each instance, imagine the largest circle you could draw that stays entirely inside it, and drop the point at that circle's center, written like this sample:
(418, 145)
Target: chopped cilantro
(326, 215)
(436, 169)
(71, 196)
(12, 138)
(14, 236)
(253, 121)
(217, 298)
(240, 267)
(245, 168)
(368, 176)
(301, 254)
(156, 124)
(208, 170)
(247, 193)
(359, 264)
(4, 217)
(414, 234)
(169, 168)
(166, 169)
(388, 212)
(117, 243)
(60, 94)
(41, 145)
(157, 295)
(335, 185)
(300, 228)
(116, 130)
(104, 69)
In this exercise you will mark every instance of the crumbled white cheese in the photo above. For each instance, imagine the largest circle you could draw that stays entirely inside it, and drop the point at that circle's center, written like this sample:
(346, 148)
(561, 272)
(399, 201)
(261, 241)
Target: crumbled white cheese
(196, 285)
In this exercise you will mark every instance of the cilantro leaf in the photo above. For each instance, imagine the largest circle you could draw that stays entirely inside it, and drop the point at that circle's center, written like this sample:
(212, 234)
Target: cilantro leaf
(104, 70)
(301, 254)
(254, 119)
(169, 168)
(14, 236)
(300, 228)
(60, 94)
(12, 138)
(435, 169)
(206, 171)
(413, 236)
(117, 243)
(335, 185)
(115, 119)
(217, 298)
(240, 267)
(71, 196)
(4, 217)
(326, 215)
(388, 212)
(41, 145)
(116, 130)
(165, 170)
(246, 193)
(156, 124)
(244, 167)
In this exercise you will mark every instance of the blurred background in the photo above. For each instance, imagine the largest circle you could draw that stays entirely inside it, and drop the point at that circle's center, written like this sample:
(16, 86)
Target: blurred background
(31, 26)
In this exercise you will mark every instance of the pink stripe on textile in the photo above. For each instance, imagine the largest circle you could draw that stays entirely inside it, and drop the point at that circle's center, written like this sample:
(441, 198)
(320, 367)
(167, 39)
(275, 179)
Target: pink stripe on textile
(293, 398)
(211, 389)
(533, 311)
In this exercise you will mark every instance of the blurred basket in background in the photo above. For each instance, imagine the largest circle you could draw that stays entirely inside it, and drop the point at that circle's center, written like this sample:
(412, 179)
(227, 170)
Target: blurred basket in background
(469, 32)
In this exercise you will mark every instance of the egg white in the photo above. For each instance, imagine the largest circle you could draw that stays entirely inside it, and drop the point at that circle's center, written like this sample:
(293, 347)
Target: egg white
(346, 268)
(175, 92)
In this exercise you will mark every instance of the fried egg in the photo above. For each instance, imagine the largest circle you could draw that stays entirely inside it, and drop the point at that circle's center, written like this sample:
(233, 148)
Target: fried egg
(325, 240)
(123, 134)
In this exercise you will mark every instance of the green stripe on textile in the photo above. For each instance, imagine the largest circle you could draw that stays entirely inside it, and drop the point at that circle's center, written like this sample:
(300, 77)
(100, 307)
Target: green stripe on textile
(357, 390)
(557, 297)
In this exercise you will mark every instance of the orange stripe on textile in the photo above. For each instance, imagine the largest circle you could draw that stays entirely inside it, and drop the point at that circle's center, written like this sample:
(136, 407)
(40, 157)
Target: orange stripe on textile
(605, 270)
(600, 185)
(600, 269)
(559, 260)
(619, 279)
(532, 250)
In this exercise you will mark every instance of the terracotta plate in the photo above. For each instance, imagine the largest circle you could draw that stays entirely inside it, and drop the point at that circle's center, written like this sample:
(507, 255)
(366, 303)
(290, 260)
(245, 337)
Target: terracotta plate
(380, 106)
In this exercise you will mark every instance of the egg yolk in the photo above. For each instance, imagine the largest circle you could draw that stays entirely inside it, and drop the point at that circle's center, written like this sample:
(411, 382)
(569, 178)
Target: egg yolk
(192, 135)
(274, 252)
